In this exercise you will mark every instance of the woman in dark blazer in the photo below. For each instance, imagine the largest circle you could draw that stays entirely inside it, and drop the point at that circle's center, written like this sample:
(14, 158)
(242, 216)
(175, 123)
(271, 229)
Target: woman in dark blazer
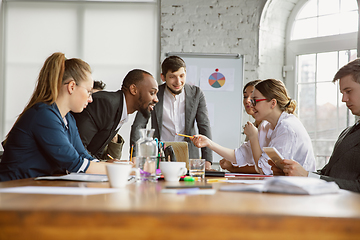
(44, 139)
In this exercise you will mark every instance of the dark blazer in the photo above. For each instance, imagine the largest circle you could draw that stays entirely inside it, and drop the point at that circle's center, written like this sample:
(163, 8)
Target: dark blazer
(195, 109)
(344, 163)
(41, 144)
(97, 123)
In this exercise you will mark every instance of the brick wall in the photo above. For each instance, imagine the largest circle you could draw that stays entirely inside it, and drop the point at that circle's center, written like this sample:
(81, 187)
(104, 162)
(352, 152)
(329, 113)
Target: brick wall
(213, 26)
(253, 28)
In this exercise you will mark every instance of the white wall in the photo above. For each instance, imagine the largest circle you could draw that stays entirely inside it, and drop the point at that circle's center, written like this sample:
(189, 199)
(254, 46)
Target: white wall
(203, 26)
(113, 38)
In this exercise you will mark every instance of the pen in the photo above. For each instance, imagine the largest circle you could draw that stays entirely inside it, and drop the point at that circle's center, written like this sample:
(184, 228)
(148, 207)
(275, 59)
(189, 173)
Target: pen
(183, 135)
(132, 148)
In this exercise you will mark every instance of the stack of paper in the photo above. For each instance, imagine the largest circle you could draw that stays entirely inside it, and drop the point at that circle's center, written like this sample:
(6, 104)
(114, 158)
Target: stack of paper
(288, 185)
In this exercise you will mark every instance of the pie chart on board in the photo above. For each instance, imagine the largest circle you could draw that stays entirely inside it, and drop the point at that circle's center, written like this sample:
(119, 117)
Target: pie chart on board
(217, 80)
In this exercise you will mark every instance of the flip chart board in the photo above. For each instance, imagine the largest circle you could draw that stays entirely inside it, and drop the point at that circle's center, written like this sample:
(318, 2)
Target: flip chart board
(220, 76)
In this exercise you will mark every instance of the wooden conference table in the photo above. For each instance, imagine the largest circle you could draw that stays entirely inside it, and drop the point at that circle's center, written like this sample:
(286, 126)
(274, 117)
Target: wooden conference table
(141, 211)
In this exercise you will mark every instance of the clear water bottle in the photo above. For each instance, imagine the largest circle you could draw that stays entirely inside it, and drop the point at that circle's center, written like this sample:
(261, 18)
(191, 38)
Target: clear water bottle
(146, 155)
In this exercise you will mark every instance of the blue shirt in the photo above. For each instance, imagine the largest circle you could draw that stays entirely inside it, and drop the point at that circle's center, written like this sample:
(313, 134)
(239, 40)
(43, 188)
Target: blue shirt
(42, 144)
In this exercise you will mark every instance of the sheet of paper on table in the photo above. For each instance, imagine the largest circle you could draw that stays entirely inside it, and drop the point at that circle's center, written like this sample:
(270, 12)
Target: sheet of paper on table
(83, 177)
(58, 190)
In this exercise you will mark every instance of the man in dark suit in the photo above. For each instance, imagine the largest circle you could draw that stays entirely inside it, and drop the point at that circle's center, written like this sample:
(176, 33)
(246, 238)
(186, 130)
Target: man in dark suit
(180, 105)
(101, 120)
(344, 164)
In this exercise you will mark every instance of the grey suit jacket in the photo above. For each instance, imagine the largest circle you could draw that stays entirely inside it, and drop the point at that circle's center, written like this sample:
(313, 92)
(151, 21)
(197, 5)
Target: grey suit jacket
(344, 163)
(195, 109)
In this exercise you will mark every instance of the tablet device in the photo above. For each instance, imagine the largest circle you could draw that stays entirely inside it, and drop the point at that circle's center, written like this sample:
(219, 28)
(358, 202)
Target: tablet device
(274, 155)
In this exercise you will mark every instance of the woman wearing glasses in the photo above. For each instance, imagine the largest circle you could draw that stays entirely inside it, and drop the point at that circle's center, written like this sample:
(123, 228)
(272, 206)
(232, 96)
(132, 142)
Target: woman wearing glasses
(44, 139)
(279, 128)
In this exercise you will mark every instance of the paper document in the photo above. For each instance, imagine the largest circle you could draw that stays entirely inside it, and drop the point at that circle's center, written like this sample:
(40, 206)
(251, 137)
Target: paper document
(190, 191)
(246, 181)
(246, 175)
(58, 190)
(83, 177)
(288, 185)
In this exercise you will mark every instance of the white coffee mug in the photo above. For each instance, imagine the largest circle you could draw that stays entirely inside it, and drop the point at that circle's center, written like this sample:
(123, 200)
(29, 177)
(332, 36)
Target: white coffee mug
(118, 174)
(172, 171)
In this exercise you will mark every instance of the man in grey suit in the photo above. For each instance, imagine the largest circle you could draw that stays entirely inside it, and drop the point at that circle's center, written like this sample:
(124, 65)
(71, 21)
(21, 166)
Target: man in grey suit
(179, 106)
(344, 164)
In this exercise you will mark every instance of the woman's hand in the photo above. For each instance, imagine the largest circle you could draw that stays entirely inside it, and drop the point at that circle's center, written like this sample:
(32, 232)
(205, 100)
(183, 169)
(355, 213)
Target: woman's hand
(250, 130)
(201, 141)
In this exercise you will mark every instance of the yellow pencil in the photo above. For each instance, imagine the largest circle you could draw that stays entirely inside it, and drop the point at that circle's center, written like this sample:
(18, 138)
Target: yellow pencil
(183, 135)
(213, 180)
(110, 157)
(132, 148)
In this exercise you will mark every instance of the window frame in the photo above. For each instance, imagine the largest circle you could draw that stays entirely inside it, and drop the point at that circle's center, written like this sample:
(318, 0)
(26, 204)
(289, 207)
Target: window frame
(294, 48)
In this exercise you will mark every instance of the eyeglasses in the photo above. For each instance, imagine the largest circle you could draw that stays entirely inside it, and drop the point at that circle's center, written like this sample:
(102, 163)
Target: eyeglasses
(254, 101)
(90, 93)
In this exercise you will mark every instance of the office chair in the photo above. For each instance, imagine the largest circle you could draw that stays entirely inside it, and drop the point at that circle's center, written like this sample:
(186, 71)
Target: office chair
(181, 151)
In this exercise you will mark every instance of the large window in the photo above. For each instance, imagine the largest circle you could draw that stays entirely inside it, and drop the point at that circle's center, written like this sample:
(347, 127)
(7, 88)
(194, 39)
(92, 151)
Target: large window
(320, 18)
(322, 37)
(113, 37)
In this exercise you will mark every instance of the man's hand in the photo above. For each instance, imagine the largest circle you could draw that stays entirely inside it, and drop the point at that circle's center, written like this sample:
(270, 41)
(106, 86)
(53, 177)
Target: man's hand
(291, 168)
(276, 171)
(225, 164)
(115, 139)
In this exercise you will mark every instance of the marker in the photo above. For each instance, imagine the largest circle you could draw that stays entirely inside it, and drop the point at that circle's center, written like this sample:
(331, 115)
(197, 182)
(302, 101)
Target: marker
(183, 135)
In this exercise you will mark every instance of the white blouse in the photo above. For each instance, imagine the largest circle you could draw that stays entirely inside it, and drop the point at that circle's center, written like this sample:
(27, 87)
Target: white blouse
(289, 137)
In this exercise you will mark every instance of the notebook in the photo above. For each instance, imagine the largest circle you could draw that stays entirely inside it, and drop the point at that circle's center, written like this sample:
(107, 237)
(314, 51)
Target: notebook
(287, 185)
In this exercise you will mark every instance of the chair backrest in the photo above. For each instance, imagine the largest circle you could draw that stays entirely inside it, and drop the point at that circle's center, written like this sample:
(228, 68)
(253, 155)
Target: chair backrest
(181, 151)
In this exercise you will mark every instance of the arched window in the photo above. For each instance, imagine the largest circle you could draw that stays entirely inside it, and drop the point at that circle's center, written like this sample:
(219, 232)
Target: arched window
(318, 18)
(321, 38)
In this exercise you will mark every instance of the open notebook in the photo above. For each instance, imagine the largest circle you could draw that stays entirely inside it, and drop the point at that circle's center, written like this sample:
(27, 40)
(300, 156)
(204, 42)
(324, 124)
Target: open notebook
(287, 185)
(181, 151)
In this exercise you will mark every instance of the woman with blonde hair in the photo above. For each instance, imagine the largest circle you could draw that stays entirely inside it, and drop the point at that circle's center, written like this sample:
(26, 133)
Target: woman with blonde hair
(279, 128)
(44, 139)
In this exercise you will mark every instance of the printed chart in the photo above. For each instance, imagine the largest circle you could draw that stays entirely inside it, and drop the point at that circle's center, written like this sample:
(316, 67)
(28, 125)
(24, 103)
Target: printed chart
(217, 80)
